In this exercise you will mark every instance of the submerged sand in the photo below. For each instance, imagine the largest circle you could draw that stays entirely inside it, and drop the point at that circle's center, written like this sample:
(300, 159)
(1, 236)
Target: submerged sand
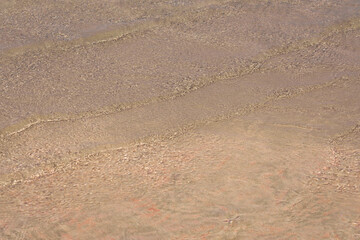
(213, 119)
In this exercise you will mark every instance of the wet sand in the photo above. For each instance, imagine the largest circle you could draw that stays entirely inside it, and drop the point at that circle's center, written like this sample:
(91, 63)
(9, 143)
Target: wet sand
(215, 119)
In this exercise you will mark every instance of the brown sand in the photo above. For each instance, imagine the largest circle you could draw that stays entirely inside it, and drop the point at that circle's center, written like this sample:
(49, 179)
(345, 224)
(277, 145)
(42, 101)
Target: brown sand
(205, 119)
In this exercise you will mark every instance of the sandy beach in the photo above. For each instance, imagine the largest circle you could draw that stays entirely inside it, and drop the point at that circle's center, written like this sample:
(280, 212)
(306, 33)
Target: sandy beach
(203, 119)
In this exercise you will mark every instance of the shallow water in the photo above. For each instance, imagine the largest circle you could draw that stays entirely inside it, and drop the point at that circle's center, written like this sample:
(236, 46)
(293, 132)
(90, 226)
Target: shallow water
(194, 120)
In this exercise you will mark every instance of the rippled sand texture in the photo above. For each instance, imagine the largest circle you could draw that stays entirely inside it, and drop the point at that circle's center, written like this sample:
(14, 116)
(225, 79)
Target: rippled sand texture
(205, 119)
